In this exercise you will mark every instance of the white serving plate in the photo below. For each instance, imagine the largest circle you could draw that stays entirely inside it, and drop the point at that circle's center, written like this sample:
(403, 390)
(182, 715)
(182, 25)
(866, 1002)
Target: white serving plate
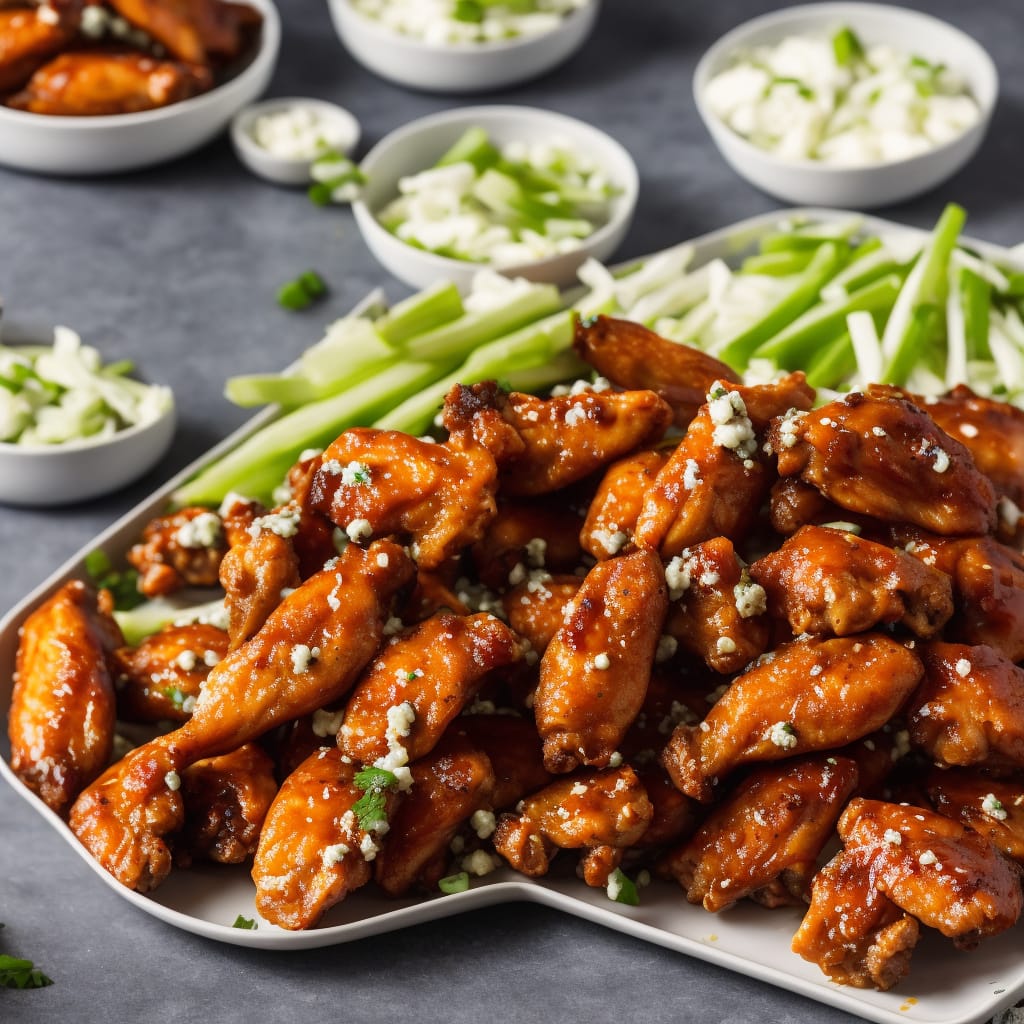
(944, 986)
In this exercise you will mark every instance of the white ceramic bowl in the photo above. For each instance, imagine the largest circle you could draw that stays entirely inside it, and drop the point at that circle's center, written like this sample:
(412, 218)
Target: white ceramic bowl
(287, 170)
(124, 142)
(458, 68)
(807, 182)
(420, 143)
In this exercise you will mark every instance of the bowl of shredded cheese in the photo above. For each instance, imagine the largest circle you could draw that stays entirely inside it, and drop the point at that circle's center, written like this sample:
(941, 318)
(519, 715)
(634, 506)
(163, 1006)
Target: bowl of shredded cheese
(846, 104)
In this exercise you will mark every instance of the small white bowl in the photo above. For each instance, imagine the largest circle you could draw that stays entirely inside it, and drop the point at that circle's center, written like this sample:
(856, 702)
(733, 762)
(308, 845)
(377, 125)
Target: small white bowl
(287, 170)
(123, 142)
(809, 183)
(458, 67)
(420, 143)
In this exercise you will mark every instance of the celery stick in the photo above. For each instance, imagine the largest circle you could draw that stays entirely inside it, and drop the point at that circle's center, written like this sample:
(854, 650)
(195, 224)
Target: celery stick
(456, 339)
(914, 343)
(259, 463)
(431, 308)
(152, 616)
(976, 296)
(671, 299)
(793, 345)
(661, 269)
(956, 330)
(1006, 340)
(810, 236)
(565, 366)
(507, 198)
(847, 47)
(866, 347)
(831, 364)
(472, 147)
(827, 260)
(777, 264)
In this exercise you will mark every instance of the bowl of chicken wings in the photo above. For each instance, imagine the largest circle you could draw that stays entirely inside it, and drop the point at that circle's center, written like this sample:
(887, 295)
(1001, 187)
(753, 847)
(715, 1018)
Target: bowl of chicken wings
(762, 645)
(102, 86)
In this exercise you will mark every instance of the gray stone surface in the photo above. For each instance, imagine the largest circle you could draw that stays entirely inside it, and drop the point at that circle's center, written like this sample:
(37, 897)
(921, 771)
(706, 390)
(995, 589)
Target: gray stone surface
(176, 268)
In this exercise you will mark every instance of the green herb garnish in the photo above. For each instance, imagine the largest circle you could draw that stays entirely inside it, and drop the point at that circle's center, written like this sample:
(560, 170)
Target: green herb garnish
(469, 11)
(122, 584)
(302, 292)
(454, 883)
(624, 888)
(245, 923)
(371, 808)
(847, 47)
(18, 973)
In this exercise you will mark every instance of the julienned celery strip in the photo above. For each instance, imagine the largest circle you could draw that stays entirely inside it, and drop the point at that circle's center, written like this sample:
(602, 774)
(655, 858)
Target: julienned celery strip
(426, 310)
(976, 296)
(832, 363)
(913, 345)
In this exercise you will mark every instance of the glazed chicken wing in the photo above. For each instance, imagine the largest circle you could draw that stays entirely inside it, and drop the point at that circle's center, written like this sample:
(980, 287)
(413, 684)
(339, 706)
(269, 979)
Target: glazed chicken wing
(764, 839)
(825, 580)
(881, 456)
(635, 357)
(62, 714)
(807, 695)
(969, 708)
(535, 608)
(183, 549)
(306, 656)
(993, 807)
(514, 750)
(27, 41)
(312, 850)
(543, 445)
(594, 673)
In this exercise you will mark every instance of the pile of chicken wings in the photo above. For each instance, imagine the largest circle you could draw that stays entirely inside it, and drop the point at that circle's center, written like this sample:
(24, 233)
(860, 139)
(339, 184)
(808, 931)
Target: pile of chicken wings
(664, 622)
(93, 57)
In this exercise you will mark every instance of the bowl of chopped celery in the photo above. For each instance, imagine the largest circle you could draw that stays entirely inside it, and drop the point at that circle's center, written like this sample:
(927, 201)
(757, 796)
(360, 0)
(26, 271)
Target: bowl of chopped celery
(524, 191)
(72, 428)
(846, 104)
(462, 46)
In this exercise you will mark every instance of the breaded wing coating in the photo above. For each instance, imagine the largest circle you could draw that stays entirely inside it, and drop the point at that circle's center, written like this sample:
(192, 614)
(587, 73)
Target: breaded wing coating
(312, 851)
(825, 580)
(226, 801)
(969, 708)
(307, 655)
(587, 809)
(420, 681)
(993, 807)
(808, 695)
(716, 611)
(594, 673)
(451, 783)
(27, 41)
(160, 680)
(372, 483)
(543, 445)
(62, 713)
(881, 456)
(183, 549)
(763, 841)
(637, 358)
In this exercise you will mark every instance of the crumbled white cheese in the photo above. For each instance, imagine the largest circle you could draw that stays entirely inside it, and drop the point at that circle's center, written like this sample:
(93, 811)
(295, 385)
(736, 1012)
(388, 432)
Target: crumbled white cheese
(725, 645)
(483, 823)
(615, 761)
(602, 662)
(480, 863)
(358, 529)
(789, 426)
(782, 734)
(574, 415)
(355, 473)
(963, 668)
(678, 574)
(284, 522)
(302, 657)
(613, 540)
(733, 429)
(202, 531)
(750, 597)
(691, 474)
(667, 647)
(327, 723)
(993, 807)
(334, 854)
(172, 780)
(186, 661)
(927, 858)
(892, 837)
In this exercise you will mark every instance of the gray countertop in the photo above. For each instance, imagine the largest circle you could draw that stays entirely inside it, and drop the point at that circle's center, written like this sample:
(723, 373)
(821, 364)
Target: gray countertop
(177, 268)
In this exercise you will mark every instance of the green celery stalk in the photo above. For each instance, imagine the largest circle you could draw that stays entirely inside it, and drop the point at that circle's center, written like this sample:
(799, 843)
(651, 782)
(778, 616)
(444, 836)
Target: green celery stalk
(777, 264)
(976, 298)
(826, 262)
(833, 363)
(426, 310)
(915, 343)
(847, 47)
(472, 147)
(810, 236)
(260, 462)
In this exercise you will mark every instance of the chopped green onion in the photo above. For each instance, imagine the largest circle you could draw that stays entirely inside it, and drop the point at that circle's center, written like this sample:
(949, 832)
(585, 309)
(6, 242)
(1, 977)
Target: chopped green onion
(246, 923)
(454, 883)
(302, 292)
(847, 47)
(622, 889)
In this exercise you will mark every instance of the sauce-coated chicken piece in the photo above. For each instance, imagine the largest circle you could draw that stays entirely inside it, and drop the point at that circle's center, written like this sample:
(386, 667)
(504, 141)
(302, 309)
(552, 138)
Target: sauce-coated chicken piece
(27, 41)
(825, 580)
(881, 456)
(993, 807)
(62, 714)
(969, 708)
(764, 839)
(420, 681)
(183, 549)
(792, 504)
(90, 84)
(716, 612)
(160, 680)
(636, 357)
(450, 784)
(594, 673)
(226, 802)
(307, 655)
(716, 479)
(616, 506)
(587, 809)
(543, 445)
(807, 695)
(377, 482)
(514, 750)
(312, 851)
(535, 608)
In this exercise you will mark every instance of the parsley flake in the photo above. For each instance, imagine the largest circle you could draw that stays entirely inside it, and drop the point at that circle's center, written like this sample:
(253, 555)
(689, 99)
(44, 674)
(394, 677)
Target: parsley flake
(18, 973)
(245, 923)
(371, 808)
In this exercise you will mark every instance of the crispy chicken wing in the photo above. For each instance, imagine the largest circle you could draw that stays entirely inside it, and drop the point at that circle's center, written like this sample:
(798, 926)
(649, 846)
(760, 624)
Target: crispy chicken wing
(160, 680)
(825, 580)
(535, 608)
(993, 807)
(635, 357)
(420, 681)
(376, 482)
(969, 708)
(587, 809)
(808, 695)
(881, 456)
(62, 714)
(594, 673)
(307, 655)
(764, 839)
(514, 750)
(312, 851)
(183, 549)
(27, 41)
(560, 440)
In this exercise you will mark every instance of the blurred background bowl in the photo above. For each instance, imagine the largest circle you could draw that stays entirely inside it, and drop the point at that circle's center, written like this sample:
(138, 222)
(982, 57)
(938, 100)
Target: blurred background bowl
(458, 67)
(419, 144)
(123, 142)
(811, 183)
